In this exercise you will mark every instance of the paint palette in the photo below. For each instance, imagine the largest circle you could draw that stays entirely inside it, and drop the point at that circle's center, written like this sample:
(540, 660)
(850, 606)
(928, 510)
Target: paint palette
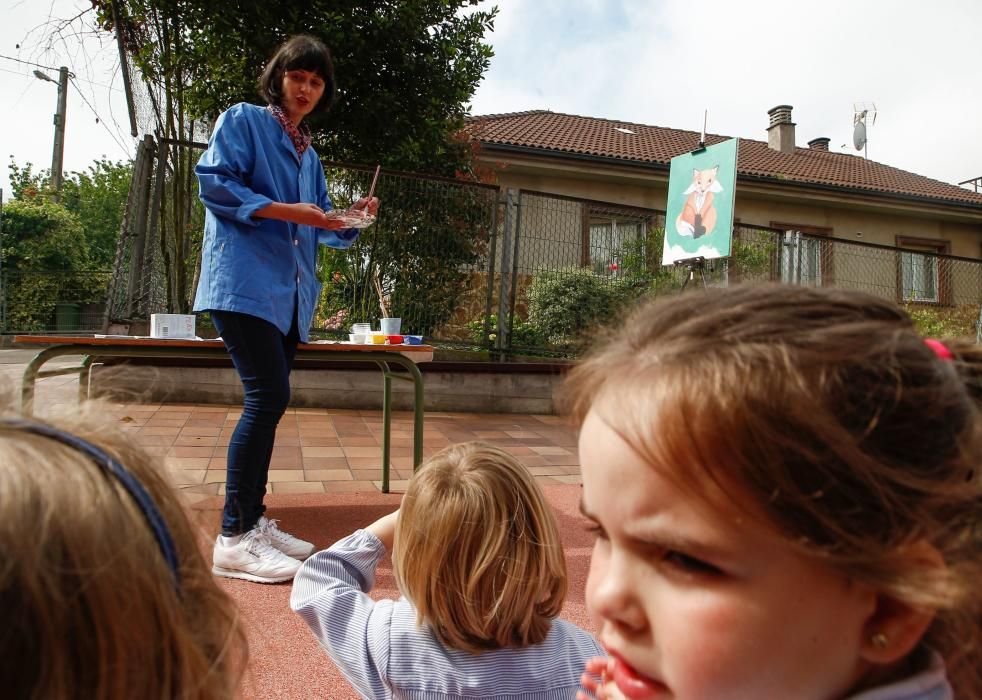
(351, 218)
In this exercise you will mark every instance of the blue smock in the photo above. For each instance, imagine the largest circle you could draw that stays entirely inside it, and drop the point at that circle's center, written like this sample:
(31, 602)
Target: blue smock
(256, 266)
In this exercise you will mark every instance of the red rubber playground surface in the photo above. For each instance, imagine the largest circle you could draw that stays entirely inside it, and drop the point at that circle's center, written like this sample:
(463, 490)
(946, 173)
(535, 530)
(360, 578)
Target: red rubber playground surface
(285, 660)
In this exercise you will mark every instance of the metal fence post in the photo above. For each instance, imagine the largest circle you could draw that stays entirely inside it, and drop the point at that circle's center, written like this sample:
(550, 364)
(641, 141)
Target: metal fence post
(513, 291)
(155, 235)
(116, 281)
(492, 259)
(507, 254)
(791, 258)
(3, 280)
(140, 226)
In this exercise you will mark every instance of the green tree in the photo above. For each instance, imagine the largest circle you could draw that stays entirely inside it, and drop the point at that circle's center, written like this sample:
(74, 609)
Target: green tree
(96, 196)
(429, 236)
(41, 235)
(45, 260)
(27, 184)
(405, 70)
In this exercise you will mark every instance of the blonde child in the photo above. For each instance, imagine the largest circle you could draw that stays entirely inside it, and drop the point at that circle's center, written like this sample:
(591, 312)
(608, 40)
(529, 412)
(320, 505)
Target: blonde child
(104, 591)
(477, 556)
(784, 485)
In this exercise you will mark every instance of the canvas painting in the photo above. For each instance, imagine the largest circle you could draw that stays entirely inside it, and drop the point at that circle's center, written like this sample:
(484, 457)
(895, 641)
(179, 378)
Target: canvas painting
(701, 189)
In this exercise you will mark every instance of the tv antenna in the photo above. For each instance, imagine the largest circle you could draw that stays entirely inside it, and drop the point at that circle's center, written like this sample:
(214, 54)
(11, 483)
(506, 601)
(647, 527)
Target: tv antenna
(861, 112)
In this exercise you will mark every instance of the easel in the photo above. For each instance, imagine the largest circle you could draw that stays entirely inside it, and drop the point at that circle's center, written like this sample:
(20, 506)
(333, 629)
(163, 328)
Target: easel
(698, 262)
(693, 264)
(702, 138)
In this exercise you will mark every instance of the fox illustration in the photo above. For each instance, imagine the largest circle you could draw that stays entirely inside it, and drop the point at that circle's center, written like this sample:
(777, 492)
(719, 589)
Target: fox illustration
(698, 217)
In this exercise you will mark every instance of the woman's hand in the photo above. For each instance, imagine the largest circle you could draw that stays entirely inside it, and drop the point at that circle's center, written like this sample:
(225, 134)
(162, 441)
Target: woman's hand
(298, 213)
(385, 529)
(369, 205)
(308, 214)
(312, 215)
(594, 681)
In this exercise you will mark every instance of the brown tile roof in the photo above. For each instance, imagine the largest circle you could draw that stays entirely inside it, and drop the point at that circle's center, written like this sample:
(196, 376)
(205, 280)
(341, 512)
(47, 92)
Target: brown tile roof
(556, 133)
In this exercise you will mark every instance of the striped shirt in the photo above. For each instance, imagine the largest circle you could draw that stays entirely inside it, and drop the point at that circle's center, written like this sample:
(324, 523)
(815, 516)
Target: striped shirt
(384, 654)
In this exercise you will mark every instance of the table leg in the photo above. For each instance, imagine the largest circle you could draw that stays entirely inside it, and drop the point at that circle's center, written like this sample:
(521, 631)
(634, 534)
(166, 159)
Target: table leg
(417, 415)
(83, 379)
(31, 375)
(416, 377)
(386, 425)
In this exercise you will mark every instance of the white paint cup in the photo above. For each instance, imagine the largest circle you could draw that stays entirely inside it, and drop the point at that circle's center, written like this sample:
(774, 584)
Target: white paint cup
(390, 326)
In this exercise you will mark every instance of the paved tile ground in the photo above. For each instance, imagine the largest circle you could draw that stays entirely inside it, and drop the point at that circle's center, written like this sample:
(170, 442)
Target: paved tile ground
(317, 449)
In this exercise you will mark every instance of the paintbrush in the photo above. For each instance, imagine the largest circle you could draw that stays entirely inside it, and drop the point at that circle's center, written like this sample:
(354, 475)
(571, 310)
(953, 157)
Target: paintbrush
(371, 190)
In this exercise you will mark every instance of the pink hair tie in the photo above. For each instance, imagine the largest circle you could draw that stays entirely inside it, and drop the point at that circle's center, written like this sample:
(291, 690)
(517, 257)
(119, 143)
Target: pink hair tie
(940, 349)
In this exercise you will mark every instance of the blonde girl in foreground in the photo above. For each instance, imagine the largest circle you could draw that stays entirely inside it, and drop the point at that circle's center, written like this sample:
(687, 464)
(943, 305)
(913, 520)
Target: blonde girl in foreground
(784, 484)
(477, 555)
(104, 592)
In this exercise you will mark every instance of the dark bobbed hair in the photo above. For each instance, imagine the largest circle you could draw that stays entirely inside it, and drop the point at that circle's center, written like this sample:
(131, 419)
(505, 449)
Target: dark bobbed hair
(823, 413)
(300, 52)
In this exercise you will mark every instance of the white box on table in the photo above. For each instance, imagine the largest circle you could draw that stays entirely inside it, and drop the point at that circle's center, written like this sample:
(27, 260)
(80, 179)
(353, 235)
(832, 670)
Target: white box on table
(172, 326)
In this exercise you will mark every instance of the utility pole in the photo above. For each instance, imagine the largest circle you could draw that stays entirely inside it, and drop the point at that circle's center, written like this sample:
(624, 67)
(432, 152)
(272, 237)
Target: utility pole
(58, 152)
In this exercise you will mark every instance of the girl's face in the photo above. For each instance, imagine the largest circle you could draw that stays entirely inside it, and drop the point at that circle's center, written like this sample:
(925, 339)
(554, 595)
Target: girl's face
(699, 604)
(302, 90)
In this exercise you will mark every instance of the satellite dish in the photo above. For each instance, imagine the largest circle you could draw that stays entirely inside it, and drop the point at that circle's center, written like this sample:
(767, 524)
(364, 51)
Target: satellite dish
(859, 135)
(861, 110)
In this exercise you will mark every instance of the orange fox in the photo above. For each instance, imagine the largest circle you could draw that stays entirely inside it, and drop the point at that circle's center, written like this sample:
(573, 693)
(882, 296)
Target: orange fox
(698, 217)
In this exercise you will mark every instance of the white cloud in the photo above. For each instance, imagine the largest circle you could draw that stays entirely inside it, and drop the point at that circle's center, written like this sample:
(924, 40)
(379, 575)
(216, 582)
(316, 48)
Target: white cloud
(26, 120)
(659, 62)
(663, 62)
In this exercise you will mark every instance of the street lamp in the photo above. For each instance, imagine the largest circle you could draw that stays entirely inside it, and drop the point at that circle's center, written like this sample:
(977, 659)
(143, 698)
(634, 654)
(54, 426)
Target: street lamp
(58, 152)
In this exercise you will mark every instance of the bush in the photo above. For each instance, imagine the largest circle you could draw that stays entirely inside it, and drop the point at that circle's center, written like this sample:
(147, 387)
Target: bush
(428, 239)
(523, 333)
(45, 260)
(944, 321)
(563, 304)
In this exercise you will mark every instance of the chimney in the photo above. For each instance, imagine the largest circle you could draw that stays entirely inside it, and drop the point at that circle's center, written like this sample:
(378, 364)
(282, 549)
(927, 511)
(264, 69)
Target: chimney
(819, 144)
(780, 134)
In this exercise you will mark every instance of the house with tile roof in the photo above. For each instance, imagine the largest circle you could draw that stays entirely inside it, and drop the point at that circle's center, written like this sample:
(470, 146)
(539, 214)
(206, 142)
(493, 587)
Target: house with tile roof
(779, 184)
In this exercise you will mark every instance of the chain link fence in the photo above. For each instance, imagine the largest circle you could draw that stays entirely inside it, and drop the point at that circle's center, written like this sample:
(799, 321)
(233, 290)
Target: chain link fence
(471, 266)
(575, 265)
(424, 261)
(58, 302)
(578, 265)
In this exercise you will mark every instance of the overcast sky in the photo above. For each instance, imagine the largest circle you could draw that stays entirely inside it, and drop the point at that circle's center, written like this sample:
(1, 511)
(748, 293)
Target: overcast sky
(657, 62)
(28, 103)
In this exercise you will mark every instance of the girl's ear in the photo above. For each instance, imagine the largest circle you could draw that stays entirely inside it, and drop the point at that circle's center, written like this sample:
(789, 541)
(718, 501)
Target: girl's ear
(895, 628)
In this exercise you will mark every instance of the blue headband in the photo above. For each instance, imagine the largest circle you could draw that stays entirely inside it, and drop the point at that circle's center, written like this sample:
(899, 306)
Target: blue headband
(129, 482)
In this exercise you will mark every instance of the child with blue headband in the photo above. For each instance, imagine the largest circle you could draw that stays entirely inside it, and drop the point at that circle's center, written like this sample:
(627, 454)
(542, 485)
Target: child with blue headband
(103, 587)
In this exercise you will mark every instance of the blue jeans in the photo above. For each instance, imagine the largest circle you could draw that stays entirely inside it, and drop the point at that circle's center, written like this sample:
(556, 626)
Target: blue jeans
(263, 357)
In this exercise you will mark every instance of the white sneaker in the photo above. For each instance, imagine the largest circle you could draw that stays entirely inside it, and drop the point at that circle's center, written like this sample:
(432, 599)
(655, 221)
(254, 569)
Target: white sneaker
(253, 559)
(285, 542)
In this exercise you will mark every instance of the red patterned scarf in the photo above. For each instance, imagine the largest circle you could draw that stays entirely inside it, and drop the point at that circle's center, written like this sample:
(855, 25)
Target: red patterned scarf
(299, 136)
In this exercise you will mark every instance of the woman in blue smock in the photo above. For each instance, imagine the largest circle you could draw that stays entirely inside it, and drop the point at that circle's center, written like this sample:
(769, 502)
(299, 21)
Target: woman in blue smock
(265, 200)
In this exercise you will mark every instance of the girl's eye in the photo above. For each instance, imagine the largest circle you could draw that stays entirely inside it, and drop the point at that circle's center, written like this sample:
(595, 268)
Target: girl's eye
(597, 531)
(691, 565)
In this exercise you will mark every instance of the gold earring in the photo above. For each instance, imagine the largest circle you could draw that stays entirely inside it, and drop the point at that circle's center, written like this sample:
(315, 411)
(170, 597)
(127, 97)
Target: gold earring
(880, 640)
